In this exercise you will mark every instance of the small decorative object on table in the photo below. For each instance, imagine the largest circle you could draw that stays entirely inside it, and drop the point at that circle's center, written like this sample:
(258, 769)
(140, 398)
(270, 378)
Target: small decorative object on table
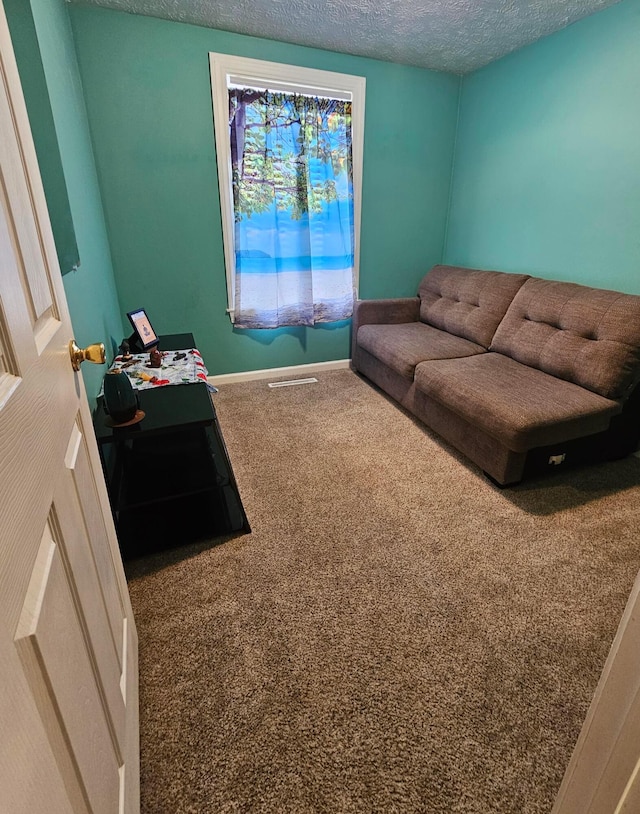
(120, 399)
(125, 350)
(155, 358)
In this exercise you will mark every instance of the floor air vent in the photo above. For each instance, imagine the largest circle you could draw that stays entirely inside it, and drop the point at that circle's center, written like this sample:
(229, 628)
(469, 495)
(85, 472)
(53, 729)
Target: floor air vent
(291, 382)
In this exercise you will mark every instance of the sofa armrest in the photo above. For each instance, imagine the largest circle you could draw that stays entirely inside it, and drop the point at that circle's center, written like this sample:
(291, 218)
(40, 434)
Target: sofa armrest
(377, 312)
(383, 312)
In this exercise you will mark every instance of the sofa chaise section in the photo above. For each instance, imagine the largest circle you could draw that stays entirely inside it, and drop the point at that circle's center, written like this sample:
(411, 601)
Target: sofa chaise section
(535, 410)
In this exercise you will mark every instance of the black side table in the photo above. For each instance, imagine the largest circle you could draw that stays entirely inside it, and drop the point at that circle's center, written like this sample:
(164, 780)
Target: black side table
(169, 477)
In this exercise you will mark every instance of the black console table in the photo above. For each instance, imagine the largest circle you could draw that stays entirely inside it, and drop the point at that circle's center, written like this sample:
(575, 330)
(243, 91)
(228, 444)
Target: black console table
(169, 477)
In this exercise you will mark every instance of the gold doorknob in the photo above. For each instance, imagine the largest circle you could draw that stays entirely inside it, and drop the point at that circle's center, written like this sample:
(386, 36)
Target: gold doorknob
(92, 353)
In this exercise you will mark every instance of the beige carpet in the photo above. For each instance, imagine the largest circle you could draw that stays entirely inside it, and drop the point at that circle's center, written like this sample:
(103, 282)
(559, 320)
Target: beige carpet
(396, 634)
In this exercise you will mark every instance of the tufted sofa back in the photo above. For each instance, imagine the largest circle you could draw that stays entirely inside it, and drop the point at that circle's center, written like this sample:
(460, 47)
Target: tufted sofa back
(584, 335)
(467, 302)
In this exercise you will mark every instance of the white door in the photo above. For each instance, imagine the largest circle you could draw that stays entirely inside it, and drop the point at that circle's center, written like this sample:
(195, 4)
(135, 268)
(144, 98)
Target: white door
(68, 644)
(603, 776)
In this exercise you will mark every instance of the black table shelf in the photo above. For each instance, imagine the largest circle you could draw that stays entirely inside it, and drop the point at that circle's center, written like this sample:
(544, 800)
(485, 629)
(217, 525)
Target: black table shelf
(169, 477)
(181, 468)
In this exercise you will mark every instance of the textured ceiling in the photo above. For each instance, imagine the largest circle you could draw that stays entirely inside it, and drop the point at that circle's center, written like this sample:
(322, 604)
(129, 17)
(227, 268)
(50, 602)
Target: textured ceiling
(445, 35)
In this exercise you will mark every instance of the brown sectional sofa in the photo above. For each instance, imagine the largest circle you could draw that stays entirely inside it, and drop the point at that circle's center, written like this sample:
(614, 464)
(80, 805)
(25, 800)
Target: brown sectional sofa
(519, 373)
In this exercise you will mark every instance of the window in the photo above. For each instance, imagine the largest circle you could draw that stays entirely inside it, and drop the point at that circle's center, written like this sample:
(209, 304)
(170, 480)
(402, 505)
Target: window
(289, 143)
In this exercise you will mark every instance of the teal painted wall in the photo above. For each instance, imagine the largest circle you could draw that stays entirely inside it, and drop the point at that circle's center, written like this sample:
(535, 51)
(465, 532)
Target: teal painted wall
(547, 165)
(90, 290)
(148, 97)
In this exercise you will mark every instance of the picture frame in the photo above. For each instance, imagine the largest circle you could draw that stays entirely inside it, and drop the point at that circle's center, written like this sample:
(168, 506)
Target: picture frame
(144, 336)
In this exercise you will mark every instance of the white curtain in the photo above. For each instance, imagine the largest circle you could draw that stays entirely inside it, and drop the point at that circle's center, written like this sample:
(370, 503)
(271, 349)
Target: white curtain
(293, 202)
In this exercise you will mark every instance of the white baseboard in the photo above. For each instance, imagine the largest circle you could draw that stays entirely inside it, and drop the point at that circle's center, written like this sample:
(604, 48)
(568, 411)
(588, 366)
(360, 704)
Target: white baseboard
(637, 453)
(276, 372)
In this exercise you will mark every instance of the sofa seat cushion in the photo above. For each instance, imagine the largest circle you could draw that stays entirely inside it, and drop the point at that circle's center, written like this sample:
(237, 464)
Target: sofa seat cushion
(587, 336)
(519, 405)
(402, 346)
(467, 302)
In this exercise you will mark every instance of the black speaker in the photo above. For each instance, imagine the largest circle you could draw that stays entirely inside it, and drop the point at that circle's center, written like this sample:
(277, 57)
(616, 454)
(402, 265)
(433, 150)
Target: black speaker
(120, 399)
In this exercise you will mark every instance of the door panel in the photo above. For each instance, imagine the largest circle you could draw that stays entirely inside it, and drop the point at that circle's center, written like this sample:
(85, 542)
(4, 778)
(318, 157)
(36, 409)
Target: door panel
(21, 194)
(103, 643)
(53, 648)
(96, 531)
(30, 309)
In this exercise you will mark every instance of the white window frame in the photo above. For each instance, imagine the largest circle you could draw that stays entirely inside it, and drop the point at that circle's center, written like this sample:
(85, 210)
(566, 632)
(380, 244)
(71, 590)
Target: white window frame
(228, 70)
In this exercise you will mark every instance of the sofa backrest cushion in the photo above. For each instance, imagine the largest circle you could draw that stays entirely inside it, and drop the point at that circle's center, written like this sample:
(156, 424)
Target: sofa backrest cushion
(467, 302)
(584, 335)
